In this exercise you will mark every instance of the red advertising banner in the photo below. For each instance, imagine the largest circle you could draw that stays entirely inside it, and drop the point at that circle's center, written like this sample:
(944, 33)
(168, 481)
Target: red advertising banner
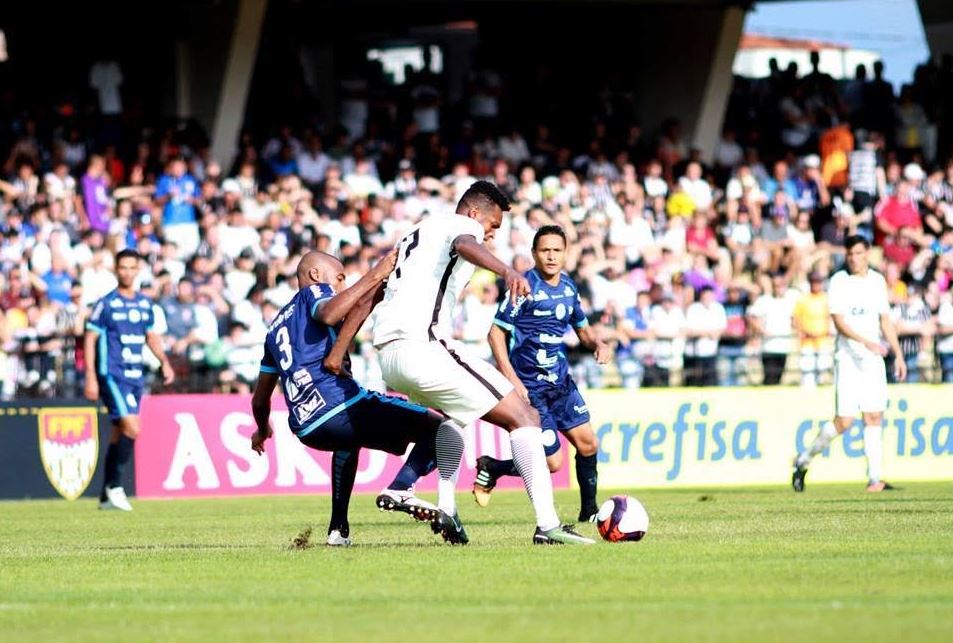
(200, 445)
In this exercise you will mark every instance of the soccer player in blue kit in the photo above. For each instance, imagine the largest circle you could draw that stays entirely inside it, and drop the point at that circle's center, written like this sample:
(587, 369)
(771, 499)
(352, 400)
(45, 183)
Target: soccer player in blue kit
(328, 410)
(119, 326)
(527, 343)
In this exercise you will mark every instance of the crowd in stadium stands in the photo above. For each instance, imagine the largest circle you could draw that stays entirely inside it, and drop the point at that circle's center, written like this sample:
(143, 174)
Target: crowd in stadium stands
(699, 272)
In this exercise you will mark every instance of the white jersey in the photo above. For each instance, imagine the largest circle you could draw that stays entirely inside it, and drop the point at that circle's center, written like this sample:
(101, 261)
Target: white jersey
(861, 301)
(427, 282)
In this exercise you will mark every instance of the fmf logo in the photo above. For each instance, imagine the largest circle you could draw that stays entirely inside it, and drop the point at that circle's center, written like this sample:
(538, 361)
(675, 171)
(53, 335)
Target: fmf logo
(69, 448)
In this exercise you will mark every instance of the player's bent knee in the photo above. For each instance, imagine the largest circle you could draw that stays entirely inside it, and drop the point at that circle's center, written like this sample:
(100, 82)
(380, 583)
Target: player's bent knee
(555, 462)
(588, 447)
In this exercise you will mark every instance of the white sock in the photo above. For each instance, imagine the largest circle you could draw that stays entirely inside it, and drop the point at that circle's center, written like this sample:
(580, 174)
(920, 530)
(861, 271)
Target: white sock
(873, 449)
(530, 460)
(449, 447)
(824, 437)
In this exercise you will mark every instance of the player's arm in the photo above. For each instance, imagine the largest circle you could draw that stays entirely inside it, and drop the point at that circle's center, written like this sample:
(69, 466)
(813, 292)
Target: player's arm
(332, 310)
(588, 338)
(476, 253)
(845, 330)
(261, 409)
(890, 332)
(334, 362)
(154, 342)
(498, 338)
(91, 390)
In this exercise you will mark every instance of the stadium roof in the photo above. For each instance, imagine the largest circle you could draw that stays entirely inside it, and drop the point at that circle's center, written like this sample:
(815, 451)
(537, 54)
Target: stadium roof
(759, 41)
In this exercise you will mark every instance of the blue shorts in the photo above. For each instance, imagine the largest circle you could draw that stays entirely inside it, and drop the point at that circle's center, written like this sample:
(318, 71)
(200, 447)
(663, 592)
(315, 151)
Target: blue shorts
(381, 422)
(120, 397)
(560, 408)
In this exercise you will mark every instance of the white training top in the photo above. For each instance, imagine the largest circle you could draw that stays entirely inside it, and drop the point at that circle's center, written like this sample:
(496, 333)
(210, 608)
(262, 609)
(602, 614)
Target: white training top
(861, 301)
(427, 282)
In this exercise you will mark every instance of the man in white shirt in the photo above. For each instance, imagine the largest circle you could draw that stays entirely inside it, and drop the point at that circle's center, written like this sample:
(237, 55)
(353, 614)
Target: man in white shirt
(667, 324)
(771, 318)
(861, 313)
(705, 321)
(696, 187)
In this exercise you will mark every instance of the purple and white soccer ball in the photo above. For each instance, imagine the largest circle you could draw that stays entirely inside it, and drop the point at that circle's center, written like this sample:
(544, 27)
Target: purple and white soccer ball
(621, 519)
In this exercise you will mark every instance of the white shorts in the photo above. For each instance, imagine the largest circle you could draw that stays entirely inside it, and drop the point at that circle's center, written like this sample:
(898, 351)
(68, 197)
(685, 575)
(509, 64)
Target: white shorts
(860, 386)
(445, 376)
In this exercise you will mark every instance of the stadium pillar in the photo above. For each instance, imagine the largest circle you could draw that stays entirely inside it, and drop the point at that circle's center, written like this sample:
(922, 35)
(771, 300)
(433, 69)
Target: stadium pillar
(236, 80)
(711, 111)
(937, 17)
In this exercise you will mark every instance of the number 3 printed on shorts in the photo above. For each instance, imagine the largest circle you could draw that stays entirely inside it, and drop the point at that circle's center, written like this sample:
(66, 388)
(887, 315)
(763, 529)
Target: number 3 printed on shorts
(414, 240)
(284, 345)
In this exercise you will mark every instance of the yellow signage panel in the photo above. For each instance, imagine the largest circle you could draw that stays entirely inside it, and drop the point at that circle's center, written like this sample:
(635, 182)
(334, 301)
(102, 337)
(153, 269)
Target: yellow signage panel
(738, 436)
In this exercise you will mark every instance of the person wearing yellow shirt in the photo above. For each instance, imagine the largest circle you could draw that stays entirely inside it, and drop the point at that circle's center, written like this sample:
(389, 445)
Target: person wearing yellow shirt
(811, 321)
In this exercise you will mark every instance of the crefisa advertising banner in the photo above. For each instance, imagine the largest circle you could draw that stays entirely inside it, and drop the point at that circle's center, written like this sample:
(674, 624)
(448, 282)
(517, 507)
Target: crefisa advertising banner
(200, 445)
(723, 436)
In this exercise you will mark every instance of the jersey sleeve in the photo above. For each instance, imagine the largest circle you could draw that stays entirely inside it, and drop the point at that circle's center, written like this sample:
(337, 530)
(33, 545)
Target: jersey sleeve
(508, 312)
(578, 317)
(97, 319)
(836, 299)
(314, 296)
(151, 317)
(268, 362)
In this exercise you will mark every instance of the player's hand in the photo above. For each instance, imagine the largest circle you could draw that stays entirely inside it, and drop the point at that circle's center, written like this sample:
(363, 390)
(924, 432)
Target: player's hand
(386, 265)
(900, 368)
(603, 353)
(878, 349)
(168, 375)
(91, 390)
(517, 284)
(258, 441)
(335, 364)
(521, 391)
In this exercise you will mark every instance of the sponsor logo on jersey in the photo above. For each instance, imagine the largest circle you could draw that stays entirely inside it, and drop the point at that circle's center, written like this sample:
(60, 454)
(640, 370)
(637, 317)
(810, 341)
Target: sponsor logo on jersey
(544, 360)
(549, 377)
(560, 311)
(116, 303)
(132, 339)
(144, 303)
(580, 409)
(568, 291)
(540, 296)
(546, 338)
(542, 313)
(135, 316)
(133, 373)
(119, 317)
(69, 448)
(304, 410)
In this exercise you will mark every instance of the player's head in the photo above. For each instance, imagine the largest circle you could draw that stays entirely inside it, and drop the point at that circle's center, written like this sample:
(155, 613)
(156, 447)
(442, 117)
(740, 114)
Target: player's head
(484, 203)
(127, 267)
(320, 268)
(856, 247)
(549, 250)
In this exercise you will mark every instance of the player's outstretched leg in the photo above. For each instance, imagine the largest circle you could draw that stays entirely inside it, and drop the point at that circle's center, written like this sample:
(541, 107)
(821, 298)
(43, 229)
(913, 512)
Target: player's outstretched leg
(526, 442)
(343, 472)
(399, 494)
(823, 439)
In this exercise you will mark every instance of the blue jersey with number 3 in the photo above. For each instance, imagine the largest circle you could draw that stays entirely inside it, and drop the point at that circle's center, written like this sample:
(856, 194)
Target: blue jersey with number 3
(295, 348)
(537, 326)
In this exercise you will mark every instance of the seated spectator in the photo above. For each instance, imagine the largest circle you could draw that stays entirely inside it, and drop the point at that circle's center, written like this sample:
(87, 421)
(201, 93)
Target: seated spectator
(812, 321)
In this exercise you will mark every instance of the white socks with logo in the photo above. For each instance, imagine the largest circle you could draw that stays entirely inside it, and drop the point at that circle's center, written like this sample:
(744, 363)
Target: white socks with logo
(529, 458)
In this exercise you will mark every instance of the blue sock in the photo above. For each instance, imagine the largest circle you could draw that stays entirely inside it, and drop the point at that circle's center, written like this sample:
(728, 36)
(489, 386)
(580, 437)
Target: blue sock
(588, 478)
(109, 469)
(421, 461)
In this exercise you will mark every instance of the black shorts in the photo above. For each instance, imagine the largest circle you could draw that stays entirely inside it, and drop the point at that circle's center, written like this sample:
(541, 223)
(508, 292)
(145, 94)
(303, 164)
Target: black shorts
(377, 421)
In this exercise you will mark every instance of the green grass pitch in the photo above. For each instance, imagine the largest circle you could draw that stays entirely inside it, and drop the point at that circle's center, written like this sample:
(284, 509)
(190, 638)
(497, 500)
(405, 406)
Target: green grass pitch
(833, 564)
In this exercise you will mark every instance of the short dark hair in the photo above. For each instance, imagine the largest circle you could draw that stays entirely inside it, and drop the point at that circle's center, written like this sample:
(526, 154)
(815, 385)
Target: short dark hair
(128, 252)
(854, 239)
(548, 230)
(483, 192)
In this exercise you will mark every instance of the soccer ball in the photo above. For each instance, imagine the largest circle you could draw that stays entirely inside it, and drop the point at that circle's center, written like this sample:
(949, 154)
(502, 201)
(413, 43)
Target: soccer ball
(622, 518)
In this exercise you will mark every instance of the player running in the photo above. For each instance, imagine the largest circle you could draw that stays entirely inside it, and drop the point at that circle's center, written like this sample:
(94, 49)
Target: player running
(860, 310)
(527, 342)
(120, 325)
(328, 410)
(413, 334)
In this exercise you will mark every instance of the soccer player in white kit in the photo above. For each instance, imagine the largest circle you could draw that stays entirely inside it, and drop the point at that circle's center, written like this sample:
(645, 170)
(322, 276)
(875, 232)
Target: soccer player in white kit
(859, 308)
(413, 334)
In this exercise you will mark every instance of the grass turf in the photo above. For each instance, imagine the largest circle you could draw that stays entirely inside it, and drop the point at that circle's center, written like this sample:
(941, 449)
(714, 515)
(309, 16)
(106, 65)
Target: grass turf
(760, 564)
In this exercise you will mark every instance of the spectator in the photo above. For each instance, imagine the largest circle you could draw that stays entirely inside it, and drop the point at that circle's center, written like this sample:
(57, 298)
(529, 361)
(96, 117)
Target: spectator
(771, 319)
(177, 192)
(811, 319)
(705, 322)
